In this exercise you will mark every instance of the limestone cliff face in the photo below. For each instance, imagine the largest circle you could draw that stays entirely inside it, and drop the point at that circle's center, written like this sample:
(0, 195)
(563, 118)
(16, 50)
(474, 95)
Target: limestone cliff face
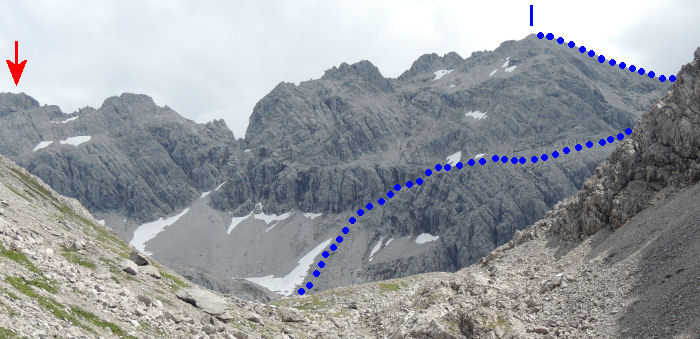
(660, 157)
(135, 158)
(333, 144)
(626, 266)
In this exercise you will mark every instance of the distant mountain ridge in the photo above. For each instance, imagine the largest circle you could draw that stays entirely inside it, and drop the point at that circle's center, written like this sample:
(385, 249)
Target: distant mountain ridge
(330, 145)
(141, 161)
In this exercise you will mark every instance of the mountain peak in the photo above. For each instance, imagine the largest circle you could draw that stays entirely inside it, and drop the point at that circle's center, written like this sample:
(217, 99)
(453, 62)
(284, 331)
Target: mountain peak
(429, 63)
(12, 102)
(364, 70)
(129, 99)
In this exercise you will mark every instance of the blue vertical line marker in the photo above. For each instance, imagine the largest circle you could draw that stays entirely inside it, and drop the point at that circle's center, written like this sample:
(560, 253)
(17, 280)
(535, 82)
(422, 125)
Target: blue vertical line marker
(531, 15)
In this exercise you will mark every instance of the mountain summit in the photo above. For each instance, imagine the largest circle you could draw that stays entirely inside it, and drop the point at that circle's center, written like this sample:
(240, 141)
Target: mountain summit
(618, 259)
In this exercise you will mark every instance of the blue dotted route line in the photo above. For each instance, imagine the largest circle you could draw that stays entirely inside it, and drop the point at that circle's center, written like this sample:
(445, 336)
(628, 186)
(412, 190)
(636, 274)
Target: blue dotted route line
(601, 58)
(447, 167)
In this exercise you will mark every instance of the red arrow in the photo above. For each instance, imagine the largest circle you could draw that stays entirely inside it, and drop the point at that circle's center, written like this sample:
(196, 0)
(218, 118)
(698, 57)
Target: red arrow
(16, 68)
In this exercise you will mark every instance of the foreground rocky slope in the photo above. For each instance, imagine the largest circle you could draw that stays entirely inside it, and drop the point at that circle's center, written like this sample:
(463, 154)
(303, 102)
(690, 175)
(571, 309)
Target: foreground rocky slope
(64, 275)
(618, 259)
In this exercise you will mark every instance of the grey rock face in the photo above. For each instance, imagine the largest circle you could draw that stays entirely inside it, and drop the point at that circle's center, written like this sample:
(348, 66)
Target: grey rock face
(661, 156)
(333, 144)
(141, 161)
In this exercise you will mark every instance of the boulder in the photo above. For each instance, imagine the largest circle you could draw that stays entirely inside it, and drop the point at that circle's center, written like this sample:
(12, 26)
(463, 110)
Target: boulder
(78, 244)
(151, 271)
(138, 258)
(206, 300)
(129, 266)
(225, 317)
(290, 315)
(145, 300)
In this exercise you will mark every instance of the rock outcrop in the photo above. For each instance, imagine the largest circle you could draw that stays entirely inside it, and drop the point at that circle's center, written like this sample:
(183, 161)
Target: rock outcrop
(659, 158)
(618, 259)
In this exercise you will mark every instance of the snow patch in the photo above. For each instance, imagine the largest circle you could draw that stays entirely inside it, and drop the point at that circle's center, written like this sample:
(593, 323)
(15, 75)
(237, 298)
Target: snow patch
(235, 221)
(247, 150)
(268, 218)
(312, 216)
(220, 185)
(506, 64)
(148, 231)
(75, 141)
(493, 72)
(375, 249)
(204, 194)
(476, 115)
(426, 237)
(41, 145)
(510, 69)
(389, 242)
(452, 85)
(480, 155)
(441, 73)
(285, 285)
(454, 158)
(65, 121)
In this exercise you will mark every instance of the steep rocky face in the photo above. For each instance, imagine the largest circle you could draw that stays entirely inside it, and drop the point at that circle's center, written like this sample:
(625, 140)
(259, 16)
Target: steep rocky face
(334, 144)
(618, 259)
(662, 156)
(129, 157)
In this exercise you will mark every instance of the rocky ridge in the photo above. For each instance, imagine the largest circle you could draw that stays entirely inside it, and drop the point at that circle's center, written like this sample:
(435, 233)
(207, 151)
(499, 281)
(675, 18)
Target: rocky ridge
(618, 259)
(129, 157)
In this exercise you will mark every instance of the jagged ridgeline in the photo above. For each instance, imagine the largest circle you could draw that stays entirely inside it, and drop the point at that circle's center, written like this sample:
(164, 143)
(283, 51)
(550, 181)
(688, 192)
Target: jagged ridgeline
(262, 207)
(616, 260)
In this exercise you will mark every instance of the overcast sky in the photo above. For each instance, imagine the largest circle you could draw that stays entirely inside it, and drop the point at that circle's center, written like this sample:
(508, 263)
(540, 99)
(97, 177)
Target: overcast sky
(216, 59)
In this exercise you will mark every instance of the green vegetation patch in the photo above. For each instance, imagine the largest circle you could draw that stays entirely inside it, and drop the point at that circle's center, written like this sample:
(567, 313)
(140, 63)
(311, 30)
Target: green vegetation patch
(9, 294)
(58, 310)
(33, 183)
(43, 284)
(389, 287)
(314, 303)
(93, 319)
(72, 314)
(19, 258)
(15, 191)
(176, 284)
(9, 334)
(73, 256)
